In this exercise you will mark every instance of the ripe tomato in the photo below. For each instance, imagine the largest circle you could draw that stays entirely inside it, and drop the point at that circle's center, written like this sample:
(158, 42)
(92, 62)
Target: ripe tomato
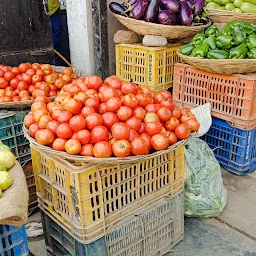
(83, 136)
(37, 105)
(109, 93)
(188, 116)
(94, 82)
(147, 138)
(43, 99)
(113, 81)
(102, 149)
(55, 113)
(73, 147)
(3, 83)
(133, 123)
(159, 98)
(59, 83)
(87, 150)
(36, 66)
(109, 119)
(171, 136)
(120, 131)
(73, 106)
(2, 92)
(185, 111)
(31, 72)
(86, 111)
(33, 128)
(7, 99)
(151, 117)
(46, 68)
(44, 137)
(74, 90)
(26, 97)
(91, 92)
(31, 88)
(129, 87)
(67, 71)
(23, 93)
(64, 117)
(153, 128)
(193, 124)
(22, 85)
(59, 144)
(1, 73)
(40, 72)
(77, 123)
(171, 124)
(52, 126)
(152, 108)
(16, 98)
(139, 146)
(131, 101)
(159, 142)
(6, 68)
(15, 70)
(44, 120)
(29, 120)
(93, 102)
(164, 114)
(82, 96)
(83, 87)
(176, 112)
(39, 113)
(10, 93)
(121, 148)
(113, 104)
(124, 112)
(64, 131)
(23, 67)
(102, 108)
(36, 78)
(139, 112)
(49, 79)
(182, 131)
(93, 120)
(99, 133)
(8, 76)
(168, 103)
(26, 78)
(142, 128)
(143, 99)
(133, 134)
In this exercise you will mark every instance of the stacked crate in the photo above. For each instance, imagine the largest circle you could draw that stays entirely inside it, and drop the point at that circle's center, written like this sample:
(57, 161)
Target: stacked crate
(233, 100)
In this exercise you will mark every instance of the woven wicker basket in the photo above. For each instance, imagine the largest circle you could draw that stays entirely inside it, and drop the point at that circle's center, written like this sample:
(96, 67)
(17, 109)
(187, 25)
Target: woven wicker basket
(223, 67)
(16, 104)
(170, 32)
(221, 16)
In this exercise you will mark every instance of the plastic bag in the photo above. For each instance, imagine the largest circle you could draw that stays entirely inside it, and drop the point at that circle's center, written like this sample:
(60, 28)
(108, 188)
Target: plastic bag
(205, 194)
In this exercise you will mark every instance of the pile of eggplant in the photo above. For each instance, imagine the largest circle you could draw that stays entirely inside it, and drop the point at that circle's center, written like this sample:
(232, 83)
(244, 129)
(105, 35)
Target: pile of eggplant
(167, 12)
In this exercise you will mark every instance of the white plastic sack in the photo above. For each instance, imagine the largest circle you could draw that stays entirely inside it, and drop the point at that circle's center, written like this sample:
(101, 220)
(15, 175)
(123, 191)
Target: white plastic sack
(205, 194)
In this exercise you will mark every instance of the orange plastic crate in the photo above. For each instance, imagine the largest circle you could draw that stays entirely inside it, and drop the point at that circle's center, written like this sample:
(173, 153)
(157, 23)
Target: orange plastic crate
(233, 98)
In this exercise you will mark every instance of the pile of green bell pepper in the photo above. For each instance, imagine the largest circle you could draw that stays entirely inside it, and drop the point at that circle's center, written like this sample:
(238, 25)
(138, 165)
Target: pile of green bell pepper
(237, 40)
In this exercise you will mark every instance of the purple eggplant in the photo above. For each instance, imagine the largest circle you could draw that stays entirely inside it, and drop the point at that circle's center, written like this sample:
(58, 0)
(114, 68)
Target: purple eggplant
(191, 4)
(167, 17)
(116, 8)
(152, 11)
(171, 5)
(139, 9)
(132, 1)
(199, 6)
(185, 14)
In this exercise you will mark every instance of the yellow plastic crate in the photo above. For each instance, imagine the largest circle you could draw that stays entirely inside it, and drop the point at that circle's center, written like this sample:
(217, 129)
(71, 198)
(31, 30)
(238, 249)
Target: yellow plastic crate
(89, 199)
(147, 66)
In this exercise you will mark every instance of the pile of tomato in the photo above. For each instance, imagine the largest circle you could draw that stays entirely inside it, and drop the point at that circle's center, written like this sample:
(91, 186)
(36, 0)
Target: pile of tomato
(111, 118)
(28, 81)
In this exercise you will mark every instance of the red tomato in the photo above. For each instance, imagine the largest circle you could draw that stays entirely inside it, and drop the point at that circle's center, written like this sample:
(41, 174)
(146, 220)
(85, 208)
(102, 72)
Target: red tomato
(153, 128)
(74, 90)
(44, 137)
(33, 128)
(151, 108)
(23, 67)
(73, 147)
(1, 73)
(133, 134)
(64, 131)
(143, 99)
(109, 119)
(159, 142)
(82, 96)
(129, 87)
(8, 99)
(193, 124)
(113, 104)
(2, 92)
(167, 94)
(124, 112)
(52, 126)
(83, 136)
(164, 114)
(131, 101)
(185, 111)
(121, 148)
(147, 138)
(16, 98)
(15, 70)
(176, 112)
(109, 93)
(99, 133)
(39, 113)
(94, 82)
(55, 113)
(73, 106)
(159, 98)
(36, 66)
(31, 72)
(59, 144)
(22, 85)
(185, 118)
(23, 93)
(83, 87)
(43, 99)
(50, 79)
(151, 117)
(120, 131)
(102, 149)
(29, 120)
(113, 81)
(133, 123)
(46, 68)
(171, 124)
(3, 83)
(102, 108)
(40, 72)
(36, 78)
(86, 111)
(26, 78)
(93, 120)
(171, 136)
(182, 131)
(67, 71)
(37, 105)
(8, 76)
(87, 150)
(168, 103)
(31, 88)
(64, 117)
(142, 128)
(139, 146)
(93, 102)
(6, 68)
(77, 123)
(44, 120)
(59, 83)
(139, 112)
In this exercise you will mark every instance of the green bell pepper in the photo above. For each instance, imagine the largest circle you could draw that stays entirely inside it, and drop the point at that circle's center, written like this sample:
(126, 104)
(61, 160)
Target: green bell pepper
(211, 41)
(217, 54)
(187, 49)
(224, 42)
(252, 54)
(212, 31)
(239, 35)
(198, 39)
(226, 31)
(246, 26)
(238, 52)
(200, 50)
(251, 41)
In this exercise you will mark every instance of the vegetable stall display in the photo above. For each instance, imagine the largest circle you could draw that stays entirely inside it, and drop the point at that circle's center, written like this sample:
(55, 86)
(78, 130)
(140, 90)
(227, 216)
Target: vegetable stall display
(95, 118)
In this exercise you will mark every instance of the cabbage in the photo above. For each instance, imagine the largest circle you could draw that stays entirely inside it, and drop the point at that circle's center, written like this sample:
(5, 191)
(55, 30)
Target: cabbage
(4, 147)
(7, 159)
(5, 180)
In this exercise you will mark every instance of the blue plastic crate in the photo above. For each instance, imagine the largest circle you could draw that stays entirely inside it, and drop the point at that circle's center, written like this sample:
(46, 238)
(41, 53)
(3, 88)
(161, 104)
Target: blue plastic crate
(13, 241)
(234, 148)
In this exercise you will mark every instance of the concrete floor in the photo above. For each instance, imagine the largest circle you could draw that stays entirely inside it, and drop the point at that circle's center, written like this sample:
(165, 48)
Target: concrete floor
(233, 233)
